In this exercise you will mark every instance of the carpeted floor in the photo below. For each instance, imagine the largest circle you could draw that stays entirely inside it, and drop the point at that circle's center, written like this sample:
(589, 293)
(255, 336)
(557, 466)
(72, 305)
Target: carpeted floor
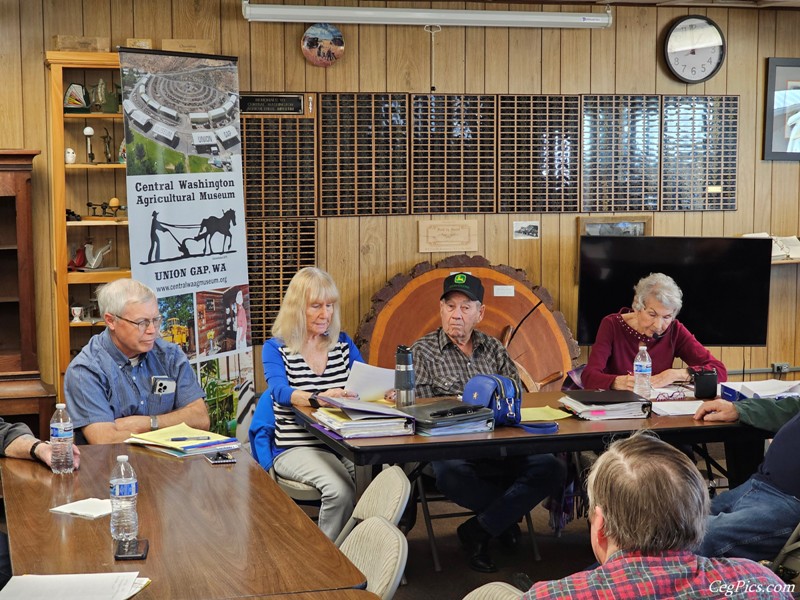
(560, 556)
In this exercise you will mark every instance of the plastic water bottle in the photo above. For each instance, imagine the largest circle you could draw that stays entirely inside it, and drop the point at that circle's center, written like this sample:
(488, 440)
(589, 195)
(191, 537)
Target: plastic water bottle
(124, 489)
(61, 437)
(404, 379)
(642, 369)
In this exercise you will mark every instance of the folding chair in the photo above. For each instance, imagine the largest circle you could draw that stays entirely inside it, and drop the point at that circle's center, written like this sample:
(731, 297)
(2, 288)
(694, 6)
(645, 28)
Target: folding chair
(788, 558)
(386, 496)
(496, 590)
(379, 550)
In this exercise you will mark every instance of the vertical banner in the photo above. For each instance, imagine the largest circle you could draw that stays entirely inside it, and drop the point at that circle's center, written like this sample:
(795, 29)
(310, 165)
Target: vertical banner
(186, 216)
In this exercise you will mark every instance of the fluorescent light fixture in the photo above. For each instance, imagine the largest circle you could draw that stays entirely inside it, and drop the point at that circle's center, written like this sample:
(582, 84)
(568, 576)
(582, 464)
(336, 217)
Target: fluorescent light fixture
(357, 15)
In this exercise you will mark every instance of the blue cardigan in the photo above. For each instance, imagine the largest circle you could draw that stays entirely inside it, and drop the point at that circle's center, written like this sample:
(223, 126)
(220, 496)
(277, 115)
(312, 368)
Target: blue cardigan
(262, 427)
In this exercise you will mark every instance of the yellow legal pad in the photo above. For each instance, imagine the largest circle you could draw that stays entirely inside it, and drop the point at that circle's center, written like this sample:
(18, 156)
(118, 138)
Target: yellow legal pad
(544, 413)
(164, 437)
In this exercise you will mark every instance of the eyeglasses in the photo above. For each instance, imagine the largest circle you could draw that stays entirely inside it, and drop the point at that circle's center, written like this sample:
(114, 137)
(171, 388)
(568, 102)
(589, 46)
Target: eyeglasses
(144, 324)
(676, 395)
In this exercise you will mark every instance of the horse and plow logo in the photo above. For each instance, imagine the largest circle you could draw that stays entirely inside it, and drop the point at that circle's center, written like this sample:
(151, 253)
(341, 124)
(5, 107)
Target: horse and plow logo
(200, 244)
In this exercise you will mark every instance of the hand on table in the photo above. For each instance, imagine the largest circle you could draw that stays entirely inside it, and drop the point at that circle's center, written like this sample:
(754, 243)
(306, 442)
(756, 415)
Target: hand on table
(717, 410)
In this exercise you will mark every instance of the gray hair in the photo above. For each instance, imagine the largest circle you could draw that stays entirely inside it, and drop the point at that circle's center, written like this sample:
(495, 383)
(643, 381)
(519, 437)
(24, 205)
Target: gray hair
(115, 296)
(662, 288)
(652, 496)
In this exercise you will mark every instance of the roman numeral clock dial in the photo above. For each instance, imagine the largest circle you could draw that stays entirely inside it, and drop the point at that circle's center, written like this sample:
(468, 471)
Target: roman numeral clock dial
(694, 48)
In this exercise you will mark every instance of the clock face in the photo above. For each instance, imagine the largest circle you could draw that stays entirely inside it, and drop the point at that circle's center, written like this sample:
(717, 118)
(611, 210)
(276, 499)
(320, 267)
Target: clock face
(694, 49)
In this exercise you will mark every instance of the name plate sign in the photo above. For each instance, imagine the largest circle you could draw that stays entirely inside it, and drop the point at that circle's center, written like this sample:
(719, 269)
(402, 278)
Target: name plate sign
(448, 236)
(273, 104)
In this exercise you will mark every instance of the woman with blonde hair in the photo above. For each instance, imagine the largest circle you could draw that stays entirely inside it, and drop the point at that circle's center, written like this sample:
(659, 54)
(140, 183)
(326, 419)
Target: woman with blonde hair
(307, 357)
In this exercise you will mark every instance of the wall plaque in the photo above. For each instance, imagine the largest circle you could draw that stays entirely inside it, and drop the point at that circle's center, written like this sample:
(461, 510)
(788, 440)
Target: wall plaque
(272, 104)
(448, 236)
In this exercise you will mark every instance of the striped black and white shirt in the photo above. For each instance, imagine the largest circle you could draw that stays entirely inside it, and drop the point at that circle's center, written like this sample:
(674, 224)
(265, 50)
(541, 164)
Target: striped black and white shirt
(288, 433)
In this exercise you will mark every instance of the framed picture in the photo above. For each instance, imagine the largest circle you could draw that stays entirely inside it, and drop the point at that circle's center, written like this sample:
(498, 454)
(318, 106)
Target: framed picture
(782, 126)
(629, 225)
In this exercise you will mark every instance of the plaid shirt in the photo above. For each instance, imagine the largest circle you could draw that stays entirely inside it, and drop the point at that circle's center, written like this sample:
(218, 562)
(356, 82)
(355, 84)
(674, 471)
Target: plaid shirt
(442, 369)
(675, 574)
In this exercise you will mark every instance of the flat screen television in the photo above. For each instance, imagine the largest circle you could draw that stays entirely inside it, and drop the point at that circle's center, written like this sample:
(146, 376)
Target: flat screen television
(725, 283)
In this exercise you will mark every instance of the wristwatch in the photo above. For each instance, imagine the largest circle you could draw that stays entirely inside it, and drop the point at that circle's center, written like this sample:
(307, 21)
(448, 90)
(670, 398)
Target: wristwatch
(33, 451)
(153, 422)
(312, 400)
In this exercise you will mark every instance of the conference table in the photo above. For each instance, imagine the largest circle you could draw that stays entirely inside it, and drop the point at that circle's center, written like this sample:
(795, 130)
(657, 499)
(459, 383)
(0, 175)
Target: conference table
(215, 531)
(744, 445)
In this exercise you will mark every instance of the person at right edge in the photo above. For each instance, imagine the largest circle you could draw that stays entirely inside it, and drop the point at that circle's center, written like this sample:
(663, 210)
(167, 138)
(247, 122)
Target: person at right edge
(652, 321)
(647, 510)
(501, 491)
(754, 520)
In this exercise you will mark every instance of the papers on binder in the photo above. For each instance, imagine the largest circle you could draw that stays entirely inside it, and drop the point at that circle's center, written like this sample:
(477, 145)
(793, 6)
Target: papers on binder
(783, 247)
(602, 412)
(769, 388)
(370, 383)
(182, 440)
(90, 508)
(366, 425)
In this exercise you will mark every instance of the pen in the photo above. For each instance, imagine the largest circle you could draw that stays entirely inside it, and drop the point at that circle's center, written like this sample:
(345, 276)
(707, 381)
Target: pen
(186, 439)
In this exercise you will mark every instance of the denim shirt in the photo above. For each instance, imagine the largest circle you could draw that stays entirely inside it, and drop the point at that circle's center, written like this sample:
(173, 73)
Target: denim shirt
(101, 383)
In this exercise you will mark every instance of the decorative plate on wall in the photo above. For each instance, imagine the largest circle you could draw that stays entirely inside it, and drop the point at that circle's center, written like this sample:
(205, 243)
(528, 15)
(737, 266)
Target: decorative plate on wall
(323, 44)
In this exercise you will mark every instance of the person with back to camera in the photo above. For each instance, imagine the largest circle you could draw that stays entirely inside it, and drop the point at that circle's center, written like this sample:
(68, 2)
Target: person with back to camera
(647, 510)
(500, 491)
(651, 321)
(307, 357)
(127, 379)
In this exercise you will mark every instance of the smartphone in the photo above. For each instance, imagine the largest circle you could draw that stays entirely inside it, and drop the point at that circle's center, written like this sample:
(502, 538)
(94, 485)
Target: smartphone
(220, 458)
(161, 384)
(131, 550)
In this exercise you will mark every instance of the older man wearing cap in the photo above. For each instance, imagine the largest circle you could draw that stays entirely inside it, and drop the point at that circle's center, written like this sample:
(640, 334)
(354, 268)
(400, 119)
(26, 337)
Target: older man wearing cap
(499, 491)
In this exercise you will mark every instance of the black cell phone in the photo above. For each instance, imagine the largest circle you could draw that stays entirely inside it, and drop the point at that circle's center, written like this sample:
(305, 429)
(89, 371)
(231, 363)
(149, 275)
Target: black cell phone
(220, 458)
(131, 550)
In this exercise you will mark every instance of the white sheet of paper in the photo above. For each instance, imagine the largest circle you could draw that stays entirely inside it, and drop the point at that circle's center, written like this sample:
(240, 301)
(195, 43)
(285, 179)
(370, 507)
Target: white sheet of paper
(370, 383)
(90, 508)
(83, 586)
(675, 408)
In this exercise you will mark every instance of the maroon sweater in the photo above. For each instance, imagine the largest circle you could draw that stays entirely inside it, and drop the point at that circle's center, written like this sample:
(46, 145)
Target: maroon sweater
(617, 344)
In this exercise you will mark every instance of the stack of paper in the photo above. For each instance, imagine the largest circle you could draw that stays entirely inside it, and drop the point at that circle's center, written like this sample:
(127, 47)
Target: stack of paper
(113, 586)
(602, 412)
(783, 247)
(769, 388)
(674, 408)
(182, 440)
(357, 418)
(372, 425)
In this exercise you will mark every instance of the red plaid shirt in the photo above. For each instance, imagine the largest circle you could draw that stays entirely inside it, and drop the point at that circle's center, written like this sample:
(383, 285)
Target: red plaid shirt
(672, 575)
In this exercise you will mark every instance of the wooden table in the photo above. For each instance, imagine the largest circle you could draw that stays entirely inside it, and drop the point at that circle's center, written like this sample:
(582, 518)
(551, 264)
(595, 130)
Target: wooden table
(743, 444)
(215, 531)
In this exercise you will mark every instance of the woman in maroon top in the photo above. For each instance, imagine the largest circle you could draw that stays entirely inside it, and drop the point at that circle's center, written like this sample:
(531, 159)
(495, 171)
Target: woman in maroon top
(652, 321)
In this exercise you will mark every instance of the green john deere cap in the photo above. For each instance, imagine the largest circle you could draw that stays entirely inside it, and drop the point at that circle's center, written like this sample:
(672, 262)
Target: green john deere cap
(467, 284)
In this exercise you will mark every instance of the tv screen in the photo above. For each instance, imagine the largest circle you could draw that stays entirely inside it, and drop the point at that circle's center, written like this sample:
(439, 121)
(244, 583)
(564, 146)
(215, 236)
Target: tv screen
(725, 283)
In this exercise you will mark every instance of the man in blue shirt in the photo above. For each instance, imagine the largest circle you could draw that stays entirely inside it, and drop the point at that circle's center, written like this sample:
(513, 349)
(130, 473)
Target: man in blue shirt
(127, 379)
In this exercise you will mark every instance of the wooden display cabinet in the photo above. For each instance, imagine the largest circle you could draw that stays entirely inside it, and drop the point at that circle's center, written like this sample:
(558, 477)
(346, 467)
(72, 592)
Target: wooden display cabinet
(21, 389)
(75, 185)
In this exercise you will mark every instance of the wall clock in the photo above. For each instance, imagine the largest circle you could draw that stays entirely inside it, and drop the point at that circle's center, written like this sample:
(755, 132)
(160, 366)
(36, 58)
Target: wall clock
(694, 48)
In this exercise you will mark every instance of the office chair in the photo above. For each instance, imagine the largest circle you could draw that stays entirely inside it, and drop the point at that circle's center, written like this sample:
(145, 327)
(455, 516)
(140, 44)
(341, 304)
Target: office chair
(379, 550)
(496, 590)
(386, 496)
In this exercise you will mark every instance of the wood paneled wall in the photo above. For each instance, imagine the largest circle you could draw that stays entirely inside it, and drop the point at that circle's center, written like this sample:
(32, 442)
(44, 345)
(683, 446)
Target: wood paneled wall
(362, 253)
